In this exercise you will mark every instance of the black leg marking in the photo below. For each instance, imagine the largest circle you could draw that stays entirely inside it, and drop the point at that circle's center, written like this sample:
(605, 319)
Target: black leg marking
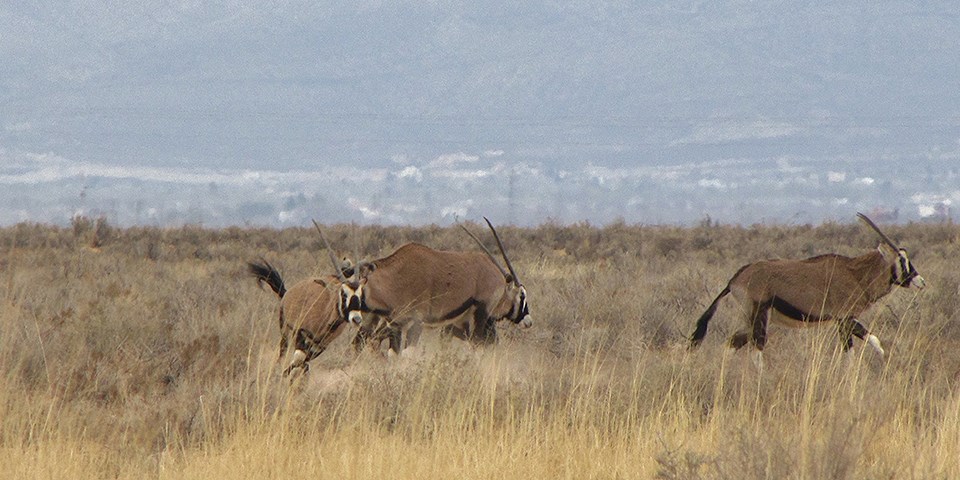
(848, 328)
(283, 345)
(859, 330)
(456, 331)
(739, 339)
(845, 329)
(396, 339)
(484, 330)
(760, 314)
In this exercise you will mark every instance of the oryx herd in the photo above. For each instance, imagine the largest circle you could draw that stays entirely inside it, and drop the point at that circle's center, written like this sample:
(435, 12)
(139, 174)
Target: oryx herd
(466, 293)
(396, 296)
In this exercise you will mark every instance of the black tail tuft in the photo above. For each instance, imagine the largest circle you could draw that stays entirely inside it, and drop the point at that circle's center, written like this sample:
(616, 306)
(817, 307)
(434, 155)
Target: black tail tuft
(265, 273)
(704, 319)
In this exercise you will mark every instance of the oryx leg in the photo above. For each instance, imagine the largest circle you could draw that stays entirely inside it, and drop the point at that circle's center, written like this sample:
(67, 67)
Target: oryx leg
(479, 330)
(485, 332)
(362, 338)
(369, 333)
(850, 327)
(845, 327)
(284, 332)
(373, 335)
(413, 333)
(305, 351)
(739, 339)
(761, 312)
(283, 345)
(395, 334)
(484, 328)
(299, 361)
(456, 331)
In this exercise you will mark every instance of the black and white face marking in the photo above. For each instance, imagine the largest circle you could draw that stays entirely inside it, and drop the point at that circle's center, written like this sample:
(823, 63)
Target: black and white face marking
(903, 273)
(351, 302)
(520, 311)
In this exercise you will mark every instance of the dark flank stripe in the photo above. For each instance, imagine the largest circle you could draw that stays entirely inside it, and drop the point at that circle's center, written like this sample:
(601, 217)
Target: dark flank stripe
(788, 310)
(459, 310)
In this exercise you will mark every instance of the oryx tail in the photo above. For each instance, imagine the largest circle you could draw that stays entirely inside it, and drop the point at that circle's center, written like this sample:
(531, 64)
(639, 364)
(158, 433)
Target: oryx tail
(265, 273)
(704, 319)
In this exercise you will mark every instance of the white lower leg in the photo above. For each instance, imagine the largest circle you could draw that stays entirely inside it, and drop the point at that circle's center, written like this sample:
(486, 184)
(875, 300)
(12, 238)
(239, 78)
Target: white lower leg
(758, 359)
(875, 343)
(299, 358)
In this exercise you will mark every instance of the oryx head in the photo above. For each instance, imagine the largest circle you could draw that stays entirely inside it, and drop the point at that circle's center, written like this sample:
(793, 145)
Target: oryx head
(351, 302)
(515, 293)
(902, 272)
(351, 290)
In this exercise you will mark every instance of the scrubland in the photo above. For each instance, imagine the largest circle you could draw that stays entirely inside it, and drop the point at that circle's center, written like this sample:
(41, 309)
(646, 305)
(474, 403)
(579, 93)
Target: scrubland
(149, 353)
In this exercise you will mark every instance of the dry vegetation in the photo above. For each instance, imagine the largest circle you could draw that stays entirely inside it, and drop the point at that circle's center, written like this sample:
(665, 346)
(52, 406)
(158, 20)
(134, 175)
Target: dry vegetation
(147, 353)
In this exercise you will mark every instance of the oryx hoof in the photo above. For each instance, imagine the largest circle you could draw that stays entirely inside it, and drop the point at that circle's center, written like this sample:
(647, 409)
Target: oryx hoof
(303, 370)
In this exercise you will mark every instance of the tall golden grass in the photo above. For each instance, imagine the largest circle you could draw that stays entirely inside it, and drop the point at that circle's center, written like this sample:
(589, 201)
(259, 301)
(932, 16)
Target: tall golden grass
(148, 353)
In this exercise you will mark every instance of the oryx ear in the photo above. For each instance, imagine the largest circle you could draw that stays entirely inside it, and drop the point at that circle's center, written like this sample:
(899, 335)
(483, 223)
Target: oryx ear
(346, 267)
(366, 268)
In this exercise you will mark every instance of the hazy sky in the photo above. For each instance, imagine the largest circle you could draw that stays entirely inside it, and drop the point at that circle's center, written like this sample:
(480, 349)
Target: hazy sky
(167, 87)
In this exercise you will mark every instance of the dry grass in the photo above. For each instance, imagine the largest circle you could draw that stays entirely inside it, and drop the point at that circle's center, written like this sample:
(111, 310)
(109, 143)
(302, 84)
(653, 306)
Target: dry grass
(146, 353)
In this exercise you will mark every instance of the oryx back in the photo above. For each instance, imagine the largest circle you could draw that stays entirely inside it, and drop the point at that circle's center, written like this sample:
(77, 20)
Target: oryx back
(819, 288)
(428, 285)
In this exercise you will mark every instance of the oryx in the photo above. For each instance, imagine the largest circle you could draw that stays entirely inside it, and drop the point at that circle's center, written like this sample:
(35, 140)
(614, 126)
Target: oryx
(827, 287)
(309, 310)
(417, 285)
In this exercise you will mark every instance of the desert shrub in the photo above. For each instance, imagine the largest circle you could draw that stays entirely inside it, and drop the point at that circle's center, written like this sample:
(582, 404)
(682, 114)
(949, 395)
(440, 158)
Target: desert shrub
(158, 345)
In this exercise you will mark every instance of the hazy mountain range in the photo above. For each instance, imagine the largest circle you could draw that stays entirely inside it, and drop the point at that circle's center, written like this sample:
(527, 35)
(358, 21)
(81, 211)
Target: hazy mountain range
(274, 112)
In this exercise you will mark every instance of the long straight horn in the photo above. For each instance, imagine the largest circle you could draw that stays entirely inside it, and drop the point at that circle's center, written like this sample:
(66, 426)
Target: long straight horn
(333, 258)
(503, 252)
(875, 228)
(485, 250)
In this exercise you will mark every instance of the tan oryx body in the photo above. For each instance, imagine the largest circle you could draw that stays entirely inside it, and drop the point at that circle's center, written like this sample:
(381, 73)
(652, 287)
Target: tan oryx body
(419, 286)
(814, 290)
(308, 313)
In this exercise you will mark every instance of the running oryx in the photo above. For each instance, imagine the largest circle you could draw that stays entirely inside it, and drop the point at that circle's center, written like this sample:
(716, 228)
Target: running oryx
(817, 289)
(417, 285)
(309, 310)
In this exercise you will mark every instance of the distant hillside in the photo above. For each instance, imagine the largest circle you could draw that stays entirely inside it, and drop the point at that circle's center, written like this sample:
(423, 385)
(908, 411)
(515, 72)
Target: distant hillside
(790, 190)
(290, 86)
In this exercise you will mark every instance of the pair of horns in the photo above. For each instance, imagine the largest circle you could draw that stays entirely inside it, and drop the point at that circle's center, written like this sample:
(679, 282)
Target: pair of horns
(503, 252)
(513, 273)
(333, 258)
(875, 228)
